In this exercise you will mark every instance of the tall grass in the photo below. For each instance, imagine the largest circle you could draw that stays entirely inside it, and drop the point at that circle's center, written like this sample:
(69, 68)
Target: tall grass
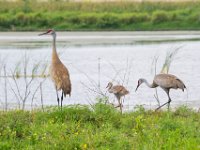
(31, 15)
(103, 127)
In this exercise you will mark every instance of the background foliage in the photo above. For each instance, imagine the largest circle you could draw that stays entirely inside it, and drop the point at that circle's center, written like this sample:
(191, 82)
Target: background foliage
(61, 15)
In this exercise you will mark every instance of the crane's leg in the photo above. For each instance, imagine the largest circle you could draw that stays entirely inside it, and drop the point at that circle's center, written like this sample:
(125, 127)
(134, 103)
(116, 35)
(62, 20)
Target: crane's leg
(118, 99)
(61, 99)
(120, 104)
(58, 100)
(165, 104)
(162, 105)
(169, 101)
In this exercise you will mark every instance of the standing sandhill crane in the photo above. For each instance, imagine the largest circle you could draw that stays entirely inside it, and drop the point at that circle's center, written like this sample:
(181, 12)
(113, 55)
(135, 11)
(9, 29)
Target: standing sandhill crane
(166, 82)
(118, 91)
(58, 72)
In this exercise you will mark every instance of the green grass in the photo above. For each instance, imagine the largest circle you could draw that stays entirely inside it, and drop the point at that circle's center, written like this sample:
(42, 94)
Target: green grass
(30, 15)
(103, 127)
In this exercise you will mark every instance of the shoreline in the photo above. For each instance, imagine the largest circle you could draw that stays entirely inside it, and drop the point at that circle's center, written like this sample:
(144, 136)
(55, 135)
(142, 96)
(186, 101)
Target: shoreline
(25, 39)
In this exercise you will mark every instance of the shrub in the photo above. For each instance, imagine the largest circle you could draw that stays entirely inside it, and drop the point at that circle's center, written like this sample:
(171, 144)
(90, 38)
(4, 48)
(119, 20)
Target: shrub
(108, 21)
(194, 18)
(160, 16)
(88, 19)
(4, 21)
(134, 18)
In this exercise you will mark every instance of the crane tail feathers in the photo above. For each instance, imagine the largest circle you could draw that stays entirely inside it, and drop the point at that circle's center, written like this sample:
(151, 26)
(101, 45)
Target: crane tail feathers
(184, 87)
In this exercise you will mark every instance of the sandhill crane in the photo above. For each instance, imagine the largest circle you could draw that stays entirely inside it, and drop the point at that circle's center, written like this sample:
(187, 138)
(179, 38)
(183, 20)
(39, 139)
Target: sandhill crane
(58, 72)
(166, 82)
(118, 91)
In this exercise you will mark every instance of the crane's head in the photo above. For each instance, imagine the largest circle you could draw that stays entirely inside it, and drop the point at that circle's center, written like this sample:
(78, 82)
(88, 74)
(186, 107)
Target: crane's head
(140, 81)
(109, 85)
(49, 32)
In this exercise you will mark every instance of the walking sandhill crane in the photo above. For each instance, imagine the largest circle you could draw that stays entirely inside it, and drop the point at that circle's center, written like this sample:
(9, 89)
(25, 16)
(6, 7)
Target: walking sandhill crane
(118, 91)
(58, 72)
(166, 82)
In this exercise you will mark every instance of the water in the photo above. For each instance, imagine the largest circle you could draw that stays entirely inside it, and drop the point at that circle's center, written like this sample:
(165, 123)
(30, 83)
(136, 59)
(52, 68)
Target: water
(124, 58)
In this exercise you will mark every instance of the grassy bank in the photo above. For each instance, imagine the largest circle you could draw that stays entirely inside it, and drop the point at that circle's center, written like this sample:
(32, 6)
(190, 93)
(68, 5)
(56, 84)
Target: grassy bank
(31, 15)
(102, 127)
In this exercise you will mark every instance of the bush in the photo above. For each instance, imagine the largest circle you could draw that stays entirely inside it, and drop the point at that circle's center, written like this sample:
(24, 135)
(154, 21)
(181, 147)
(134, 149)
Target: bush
(194, 18)
(31, 15)
(4, 21)
(108, 21)
(160, 16)
(89, 19)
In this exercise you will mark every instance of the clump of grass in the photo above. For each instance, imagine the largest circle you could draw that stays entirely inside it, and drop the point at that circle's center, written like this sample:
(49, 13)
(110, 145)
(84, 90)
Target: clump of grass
(100, 127)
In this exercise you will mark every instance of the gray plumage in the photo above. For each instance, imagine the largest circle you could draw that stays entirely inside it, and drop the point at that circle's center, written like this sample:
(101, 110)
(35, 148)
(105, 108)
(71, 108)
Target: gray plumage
(166, 82)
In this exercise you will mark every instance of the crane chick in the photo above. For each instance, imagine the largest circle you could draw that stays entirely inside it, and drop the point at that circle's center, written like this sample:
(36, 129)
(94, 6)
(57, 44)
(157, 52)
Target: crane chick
(118, 91)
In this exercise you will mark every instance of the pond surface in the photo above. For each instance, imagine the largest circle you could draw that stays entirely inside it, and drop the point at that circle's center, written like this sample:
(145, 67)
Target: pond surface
(123, 57)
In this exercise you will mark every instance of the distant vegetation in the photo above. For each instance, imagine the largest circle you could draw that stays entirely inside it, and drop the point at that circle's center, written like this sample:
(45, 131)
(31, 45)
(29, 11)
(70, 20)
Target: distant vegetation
(100, 127)
(31, 15)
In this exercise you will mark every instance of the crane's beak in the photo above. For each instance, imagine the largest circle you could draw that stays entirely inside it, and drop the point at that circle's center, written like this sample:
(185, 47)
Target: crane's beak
(137, 87)
(42, 34)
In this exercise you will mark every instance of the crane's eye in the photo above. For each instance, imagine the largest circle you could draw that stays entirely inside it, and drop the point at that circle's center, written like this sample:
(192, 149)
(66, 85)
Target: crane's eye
(49, 31)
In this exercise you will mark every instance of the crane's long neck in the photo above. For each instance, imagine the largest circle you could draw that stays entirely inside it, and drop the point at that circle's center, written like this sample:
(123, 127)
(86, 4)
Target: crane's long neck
(110, 88)
(148, 84)
(55, 58)
(54, 42)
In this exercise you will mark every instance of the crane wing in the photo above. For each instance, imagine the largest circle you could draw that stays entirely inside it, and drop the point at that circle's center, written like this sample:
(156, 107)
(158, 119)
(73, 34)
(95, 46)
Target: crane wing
(119, 89)
(61, 78)
(168, 81)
